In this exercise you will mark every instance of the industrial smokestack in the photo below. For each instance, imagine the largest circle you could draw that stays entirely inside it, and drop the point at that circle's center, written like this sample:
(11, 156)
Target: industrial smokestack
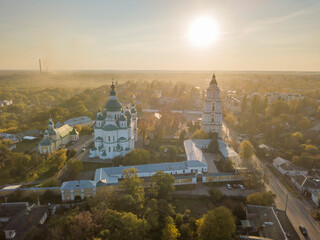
(40, 65)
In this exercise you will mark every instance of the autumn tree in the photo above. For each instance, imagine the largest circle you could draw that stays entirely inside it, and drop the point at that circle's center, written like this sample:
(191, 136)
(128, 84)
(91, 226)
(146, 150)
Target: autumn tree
(199, 134)
(170, 231)
(136, 157)
(244, 104)
(231, 119)
(123, 226)
(132, 184)
(58, 158)
(78, 128)
(162, 185)
(261, 199)
(246, 151)
(82, 226)
(217, 224)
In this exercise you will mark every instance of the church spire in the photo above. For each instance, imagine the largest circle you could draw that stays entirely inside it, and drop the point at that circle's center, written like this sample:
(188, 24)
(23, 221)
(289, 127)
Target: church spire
(213, 80)
(113, 92)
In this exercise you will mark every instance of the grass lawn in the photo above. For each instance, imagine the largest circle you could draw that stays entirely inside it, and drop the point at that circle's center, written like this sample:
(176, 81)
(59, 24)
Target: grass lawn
(25, 146)
(198, 206)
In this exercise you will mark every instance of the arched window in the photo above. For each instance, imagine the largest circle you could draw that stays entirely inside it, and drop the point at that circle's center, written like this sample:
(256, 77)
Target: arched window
(108, 138)
(109, 149)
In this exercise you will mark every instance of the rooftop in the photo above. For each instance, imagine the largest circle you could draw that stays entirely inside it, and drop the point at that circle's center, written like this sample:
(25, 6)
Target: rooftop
(11, 209)
(81, 184)
(23, 222)
(287, 165)
(112, 174)
(274, 223)
(78, 120)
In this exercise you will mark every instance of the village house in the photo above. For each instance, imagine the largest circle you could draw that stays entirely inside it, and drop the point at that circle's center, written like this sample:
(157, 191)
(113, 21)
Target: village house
(20, 219)
(286, 167)
(268, 222)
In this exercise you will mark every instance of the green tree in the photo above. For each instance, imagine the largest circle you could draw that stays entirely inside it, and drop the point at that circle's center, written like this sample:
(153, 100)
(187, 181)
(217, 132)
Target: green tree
(170, 231)
(123, 226)
(215, 195)
(58, 158)
(137, 157)
(261, 199)
(244, 104)
(74, 167)
(132, 184)
(217, 224)
(297, 137)
(183, 135)
(172, 154)
(82, 226)
(246, 151)
(162, 185)
(255, 104)
(213, 146)
(199, 134)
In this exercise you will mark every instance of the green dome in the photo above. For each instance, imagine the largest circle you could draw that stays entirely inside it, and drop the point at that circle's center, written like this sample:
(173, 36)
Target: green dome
(51, 132)
(128, 115)
(110, 128)
(122, 118)
(113, 106)
(74, 131)
(99, 117)
(46, 142)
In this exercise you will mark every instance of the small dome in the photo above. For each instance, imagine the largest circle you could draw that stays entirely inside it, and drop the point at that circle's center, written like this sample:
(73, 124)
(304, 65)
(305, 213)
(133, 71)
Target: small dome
(46, 142)
(122, 118)
(99, 117)
(133, 109)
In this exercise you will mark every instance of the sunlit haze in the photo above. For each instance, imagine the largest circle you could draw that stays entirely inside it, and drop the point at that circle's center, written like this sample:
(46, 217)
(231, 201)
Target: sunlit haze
(203, 31)
(161, 35)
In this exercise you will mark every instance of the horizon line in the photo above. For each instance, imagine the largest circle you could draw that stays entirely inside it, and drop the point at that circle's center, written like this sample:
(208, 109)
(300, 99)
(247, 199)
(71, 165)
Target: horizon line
(154, 70)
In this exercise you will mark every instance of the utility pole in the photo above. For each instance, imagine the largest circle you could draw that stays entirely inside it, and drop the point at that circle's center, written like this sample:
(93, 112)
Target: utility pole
(285, 210)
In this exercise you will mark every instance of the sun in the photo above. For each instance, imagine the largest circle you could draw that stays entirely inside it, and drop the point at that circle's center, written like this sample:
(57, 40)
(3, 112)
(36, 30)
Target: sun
(203, 31)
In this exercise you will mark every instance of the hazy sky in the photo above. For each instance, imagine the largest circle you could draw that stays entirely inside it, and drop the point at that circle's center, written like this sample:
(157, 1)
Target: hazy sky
(152, 35)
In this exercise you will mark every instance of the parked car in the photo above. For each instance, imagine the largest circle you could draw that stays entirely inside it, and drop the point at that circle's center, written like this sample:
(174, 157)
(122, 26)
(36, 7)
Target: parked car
(228, 186)
(234, 186)
(83, 149)
(303, 230)
(240, 186)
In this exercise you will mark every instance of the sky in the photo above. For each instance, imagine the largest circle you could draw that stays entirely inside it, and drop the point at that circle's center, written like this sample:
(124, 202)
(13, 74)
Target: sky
(266, 35)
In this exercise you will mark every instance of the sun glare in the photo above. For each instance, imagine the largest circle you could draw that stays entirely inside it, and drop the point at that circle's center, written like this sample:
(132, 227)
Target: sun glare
(203, 31)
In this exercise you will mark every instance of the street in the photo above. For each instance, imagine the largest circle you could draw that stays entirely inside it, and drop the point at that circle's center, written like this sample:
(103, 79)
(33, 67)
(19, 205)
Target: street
(296, 210)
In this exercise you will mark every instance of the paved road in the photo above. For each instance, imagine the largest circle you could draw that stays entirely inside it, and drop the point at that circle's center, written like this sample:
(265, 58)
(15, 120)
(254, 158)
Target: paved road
(77, 146)
(296, 210)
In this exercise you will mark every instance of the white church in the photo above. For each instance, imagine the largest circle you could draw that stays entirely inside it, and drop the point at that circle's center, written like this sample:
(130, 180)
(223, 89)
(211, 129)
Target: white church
(212, 113)
(115, 130)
